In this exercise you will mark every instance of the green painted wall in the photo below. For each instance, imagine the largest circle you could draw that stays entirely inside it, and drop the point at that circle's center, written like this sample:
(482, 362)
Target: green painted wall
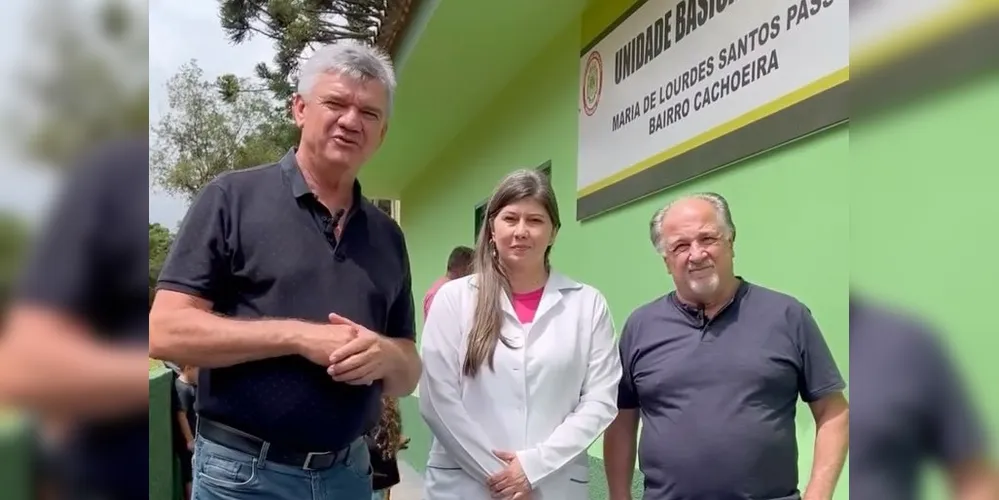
(922, 229)
(533, 120)
(924, 217)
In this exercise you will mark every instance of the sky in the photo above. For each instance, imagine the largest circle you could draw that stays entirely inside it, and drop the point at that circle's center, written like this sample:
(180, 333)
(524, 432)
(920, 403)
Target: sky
(179, 30)
(24, 187)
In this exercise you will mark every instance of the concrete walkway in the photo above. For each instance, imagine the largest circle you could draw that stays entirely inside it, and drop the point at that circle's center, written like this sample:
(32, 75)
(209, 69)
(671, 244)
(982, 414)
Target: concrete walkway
(411, 487)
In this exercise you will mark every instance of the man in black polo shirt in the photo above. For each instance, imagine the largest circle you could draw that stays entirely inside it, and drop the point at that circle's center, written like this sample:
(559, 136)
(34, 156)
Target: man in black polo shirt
(292, 292)
(714, 371)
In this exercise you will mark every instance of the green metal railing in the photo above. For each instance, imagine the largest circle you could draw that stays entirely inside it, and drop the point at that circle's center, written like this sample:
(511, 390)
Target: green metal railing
(15, 451)
(164, 477)
(164, 468)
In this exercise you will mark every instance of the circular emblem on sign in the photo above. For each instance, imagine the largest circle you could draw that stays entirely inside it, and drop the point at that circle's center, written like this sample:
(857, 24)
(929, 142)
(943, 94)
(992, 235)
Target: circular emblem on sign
(593, 82)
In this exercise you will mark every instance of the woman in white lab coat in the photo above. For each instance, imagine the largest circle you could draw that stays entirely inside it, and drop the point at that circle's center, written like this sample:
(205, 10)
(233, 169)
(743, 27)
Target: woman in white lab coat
(520, 364)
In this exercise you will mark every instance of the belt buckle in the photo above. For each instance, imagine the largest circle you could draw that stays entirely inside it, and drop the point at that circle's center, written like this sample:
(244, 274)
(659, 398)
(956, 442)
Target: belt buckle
(308, 459)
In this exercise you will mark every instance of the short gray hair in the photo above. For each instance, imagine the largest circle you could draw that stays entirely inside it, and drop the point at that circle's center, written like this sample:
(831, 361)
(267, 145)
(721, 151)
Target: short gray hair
(716, 200)
(351, 58)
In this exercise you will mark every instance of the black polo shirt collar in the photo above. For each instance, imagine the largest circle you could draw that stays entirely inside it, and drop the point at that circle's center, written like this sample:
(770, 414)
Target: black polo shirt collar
(292, 173)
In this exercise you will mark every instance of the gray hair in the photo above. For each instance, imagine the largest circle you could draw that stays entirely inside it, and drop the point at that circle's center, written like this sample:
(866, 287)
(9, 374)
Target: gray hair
(716, 200)
(351, 58)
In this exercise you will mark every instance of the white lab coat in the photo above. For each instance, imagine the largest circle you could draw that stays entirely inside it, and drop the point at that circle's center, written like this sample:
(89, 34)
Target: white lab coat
(547, 400)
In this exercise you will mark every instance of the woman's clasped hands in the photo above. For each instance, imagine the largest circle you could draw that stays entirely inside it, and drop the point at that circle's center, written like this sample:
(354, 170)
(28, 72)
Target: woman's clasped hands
(511, 483)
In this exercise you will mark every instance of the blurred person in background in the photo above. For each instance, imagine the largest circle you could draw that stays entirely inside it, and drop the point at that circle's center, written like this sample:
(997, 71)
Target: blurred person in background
(521, 365)
(714, 370)
(292, 293)
(73, 347)
(910, 410)
(459, 265)
(185, 421)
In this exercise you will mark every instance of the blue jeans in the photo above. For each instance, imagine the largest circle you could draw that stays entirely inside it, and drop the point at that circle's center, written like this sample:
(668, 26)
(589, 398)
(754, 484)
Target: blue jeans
(221, 473)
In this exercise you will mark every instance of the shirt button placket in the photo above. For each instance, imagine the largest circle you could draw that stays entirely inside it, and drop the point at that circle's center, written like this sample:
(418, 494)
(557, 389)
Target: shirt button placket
(521, 372)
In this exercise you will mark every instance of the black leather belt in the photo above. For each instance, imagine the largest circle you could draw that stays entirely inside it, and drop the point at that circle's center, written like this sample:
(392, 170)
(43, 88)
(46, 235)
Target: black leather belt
(252, 445)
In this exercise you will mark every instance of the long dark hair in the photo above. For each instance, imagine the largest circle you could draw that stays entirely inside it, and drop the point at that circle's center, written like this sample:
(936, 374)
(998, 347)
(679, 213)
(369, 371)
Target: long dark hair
(491, 279)
(388, 432)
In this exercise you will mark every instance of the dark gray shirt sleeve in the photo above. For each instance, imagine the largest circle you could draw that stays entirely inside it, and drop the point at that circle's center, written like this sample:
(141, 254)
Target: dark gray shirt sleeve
(627, 395)
(198, 261)
(955, 433)
(402, 313)
(818, 375)
(72, 255)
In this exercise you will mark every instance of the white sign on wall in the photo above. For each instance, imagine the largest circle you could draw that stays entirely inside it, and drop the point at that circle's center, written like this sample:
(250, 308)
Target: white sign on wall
(874, 21)
(676, 75)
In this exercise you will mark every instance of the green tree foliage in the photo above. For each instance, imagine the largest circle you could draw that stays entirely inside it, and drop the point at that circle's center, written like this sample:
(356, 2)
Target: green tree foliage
(15, 239)
(297, 26)
(160, 240)
(94, 85)
(205, 133)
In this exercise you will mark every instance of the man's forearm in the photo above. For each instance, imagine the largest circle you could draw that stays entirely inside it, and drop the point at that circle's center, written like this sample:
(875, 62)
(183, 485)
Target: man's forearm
(619, 470)
(185, 427)
(619, 481)
(832, 440)
(75, 378)
(406, 366)
(620, 449)
(199, 338)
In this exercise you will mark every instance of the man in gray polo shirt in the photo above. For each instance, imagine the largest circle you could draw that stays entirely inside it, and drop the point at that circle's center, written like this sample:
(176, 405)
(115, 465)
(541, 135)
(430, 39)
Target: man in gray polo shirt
(714, 370)
(913, 411)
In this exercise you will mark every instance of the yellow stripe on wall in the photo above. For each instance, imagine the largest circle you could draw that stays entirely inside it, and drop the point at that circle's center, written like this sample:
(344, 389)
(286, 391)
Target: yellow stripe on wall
(924, 33)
